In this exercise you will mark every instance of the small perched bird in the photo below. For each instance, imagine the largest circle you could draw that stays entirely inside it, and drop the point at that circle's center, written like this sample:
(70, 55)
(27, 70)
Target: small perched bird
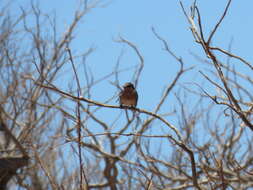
(128, 96)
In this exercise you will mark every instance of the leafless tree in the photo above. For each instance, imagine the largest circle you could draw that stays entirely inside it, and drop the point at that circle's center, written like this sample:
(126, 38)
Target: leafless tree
(53, 136)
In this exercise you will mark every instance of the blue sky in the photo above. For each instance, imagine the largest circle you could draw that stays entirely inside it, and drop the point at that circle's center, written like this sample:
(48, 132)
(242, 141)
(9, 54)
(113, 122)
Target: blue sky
(133, 20)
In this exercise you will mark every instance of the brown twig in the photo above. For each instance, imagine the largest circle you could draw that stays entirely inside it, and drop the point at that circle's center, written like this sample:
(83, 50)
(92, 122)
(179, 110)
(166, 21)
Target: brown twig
(79, 128)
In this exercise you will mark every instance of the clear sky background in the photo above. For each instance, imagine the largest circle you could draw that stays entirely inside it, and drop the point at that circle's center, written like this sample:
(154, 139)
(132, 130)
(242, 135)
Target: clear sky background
(133, 19)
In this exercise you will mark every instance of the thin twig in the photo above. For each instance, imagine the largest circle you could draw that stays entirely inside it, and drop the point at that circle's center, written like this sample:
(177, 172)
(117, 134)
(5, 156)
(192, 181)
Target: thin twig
(79, 128)
(218, 23)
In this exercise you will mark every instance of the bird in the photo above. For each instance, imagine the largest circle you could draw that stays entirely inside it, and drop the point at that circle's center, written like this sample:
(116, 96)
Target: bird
(128, 96)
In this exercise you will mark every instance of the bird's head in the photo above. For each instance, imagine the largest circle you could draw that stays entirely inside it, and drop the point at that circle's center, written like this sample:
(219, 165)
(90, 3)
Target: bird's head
(128, 85)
